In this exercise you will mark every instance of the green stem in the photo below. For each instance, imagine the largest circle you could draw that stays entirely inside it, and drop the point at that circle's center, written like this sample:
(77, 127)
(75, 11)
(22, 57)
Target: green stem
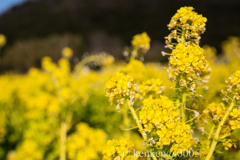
(177, 85)
(178, 94)
(148, 158)
(226, 135)
(183, 36)
(134, 53)
(183, 106)
(130, 128)
(126, 123)
(191, 120)
(82, 63)
(139, 125)
(216, 137)
(135, 117)
(211, 132)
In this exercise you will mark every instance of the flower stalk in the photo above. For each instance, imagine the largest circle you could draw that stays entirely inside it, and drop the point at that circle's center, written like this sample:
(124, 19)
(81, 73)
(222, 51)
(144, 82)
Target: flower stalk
(138, 124)
(216, 137)
(63, 137)
(183, 106)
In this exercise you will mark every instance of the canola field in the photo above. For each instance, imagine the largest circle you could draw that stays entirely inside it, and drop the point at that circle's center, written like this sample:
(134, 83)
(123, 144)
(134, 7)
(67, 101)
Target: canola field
(186, 109)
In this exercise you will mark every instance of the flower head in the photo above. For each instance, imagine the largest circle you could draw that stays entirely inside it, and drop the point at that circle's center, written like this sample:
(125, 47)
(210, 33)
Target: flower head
(151, 86)
(189, 60)
(233, 85)
(160, 117)
(136, 69)
(3, 40)
(141, 41)
(186, 24)
(120, 87)
(117, 149)
(67, 52)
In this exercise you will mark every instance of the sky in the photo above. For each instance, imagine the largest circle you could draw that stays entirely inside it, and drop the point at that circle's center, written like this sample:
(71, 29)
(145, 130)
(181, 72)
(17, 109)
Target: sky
(7, 4)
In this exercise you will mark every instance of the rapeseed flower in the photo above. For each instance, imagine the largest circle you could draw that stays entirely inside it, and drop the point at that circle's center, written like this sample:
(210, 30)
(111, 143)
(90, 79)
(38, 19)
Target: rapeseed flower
(141, 41)
(118, 150)
(67, 52)
(121, 87)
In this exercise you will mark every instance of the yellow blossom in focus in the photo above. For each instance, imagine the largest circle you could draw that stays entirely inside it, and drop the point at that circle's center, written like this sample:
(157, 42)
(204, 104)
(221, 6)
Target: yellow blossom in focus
(159, 116)
(151, 86)
(233, 87)
(120, 87)
(189, 60)
(118, 150)
(186, 24)
(235, 118)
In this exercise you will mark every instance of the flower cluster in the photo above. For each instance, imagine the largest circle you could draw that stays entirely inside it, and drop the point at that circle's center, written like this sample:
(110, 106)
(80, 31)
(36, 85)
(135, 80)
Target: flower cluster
(95, 60)
(136, 69)
(189, 59)
(151, 86)
(86, 143)
(231, 48)
(182, 138)
(228, 144)
(118, 150)
(45, 97)
(158, 113)
(2, 40)
(235, 118)
(140, 46)
(211, 53)
(159, 116)
(233, 87)
(120, 87)
(141, 41)
(188, 21)
(26, 149)
(67, 52)
(215, 111)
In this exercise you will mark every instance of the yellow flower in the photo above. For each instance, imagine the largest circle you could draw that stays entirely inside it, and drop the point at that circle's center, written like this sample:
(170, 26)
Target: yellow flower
(189, 60)
(229, 143)
(215, 111)
(159, 116)
(86, 141)
(3, 40)
(121, 87)
(233, 87)
(151, 87)
(141, 41)
(118, 149)
(66, 93)
(136, 69)
(67, 52)
(186, 24)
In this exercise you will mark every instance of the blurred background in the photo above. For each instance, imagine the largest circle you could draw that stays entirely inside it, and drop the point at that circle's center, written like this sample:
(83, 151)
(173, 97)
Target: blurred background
(36, 28)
